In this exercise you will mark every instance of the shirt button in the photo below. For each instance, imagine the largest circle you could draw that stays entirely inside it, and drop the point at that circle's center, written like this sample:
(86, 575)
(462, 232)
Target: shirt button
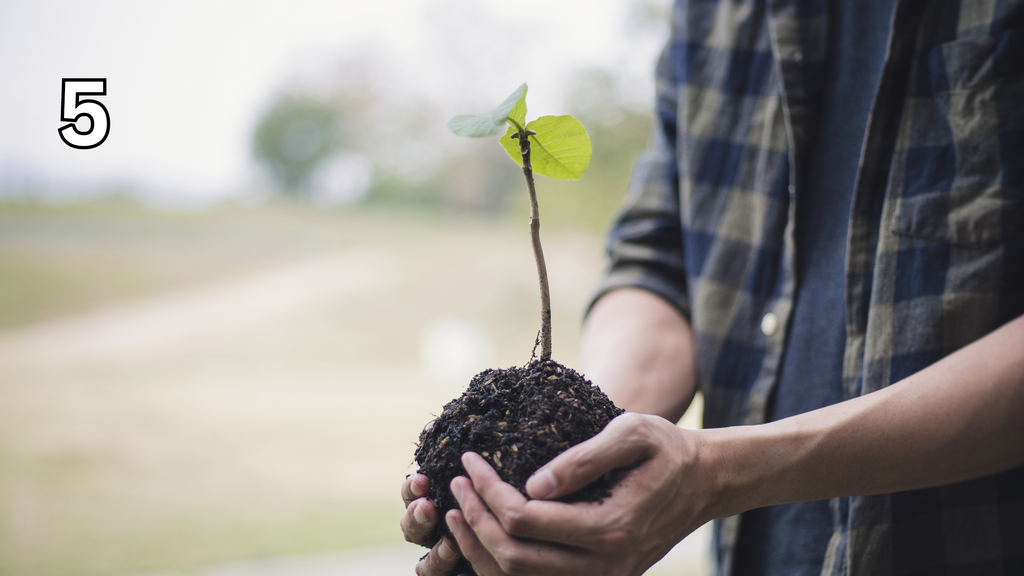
(769, 324)
(798, 56)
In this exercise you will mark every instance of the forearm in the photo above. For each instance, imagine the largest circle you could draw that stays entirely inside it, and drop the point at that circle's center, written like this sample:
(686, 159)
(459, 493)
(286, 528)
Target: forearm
(961, 418)
(640, 351)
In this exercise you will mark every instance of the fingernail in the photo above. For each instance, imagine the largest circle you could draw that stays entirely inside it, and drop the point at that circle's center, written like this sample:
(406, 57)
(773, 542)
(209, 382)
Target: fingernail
(418, 514)
(541, 484)
(455, 527)
(467, 463)
(457, 490)
(445, 550)
(417, 488)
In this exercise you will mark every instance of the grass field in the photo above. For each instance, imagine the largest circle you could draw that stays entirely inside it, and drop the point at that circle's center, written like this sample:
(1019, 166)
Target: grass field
(183, 390)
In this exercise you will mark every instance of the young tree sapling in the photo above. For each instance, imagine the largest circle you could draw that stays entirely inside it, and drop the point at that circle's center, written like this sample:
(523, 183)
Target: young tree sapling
(519, 418)
(554, 146)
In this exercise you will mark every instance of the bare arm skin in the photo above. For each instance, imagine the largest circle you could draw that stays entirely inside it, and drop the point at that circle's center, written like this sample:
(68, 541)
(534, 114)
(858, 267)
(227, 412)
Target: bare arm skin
(961, 418)
(639, 351)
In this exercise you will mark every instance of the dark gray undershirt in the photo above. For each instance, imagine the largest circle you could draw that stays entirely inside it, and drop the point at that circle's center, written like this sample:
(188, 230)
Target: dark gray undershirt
(791, 540)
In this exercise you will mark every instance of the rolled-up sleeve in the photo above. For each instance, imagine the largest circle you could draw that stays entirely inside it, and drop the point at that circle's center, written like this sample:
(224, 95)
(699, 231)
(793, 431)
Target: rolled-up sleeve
(645, 246)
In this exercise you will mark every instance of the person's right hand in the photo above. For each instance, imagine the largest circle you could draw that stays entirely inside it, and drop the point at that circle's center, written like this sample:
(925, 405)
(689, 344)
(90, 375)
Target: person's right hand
(418, 522)
(667, 487)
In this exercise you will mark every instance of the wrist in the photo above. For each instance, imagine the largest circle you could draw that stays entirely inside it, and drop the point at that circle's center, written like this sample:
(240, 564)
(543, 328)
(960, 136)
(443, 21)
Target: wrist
(720, 447)
(755, 466)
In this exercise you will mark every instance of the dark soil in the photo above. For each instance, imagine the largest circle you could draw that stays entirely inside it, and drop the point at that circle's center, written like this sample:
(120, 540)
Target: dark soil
(518, 419)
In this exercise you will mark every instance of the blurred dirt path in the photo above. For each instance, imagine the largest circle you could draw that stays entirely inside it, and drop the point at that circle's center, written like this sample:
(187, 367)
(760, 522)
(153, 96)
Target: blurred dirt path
(153, 325)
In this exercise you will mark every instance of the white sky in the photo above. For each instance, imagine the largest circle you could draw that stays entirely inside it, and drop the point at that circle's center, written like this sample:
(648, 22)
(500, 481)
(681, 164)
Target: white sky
(186, 79)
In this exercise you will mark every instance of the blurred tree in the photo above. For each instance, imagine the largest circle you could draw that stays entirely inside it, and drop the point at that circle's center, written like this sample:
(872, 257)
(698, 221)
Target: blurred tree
(296, 135)
(346, 134)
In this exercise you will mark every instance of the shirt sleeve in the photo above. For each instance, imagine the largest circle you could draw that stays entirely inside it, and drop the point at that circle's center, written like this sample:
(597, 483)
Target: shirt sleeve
(645, 245)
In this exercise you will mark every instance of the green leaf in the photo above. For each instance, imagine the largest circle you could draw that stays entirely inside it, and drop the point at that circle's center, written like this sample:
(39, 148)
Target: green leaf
(560, 150)
(480, 125)
(518, 113)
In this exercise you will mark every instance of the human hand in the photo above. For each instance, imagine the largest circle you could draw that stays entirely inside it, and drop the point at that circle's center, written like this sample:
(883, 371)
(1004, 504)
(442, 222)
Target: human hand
(418, 522)
(662, 494)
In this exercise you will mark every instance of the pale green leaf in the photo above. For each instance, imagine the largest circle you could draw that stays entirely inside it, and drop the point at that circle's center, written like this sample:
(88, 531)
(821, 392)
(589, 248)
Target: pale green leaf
(474, 125)
(480, 125)
(512, 105)
(518, 113)
(561, 148)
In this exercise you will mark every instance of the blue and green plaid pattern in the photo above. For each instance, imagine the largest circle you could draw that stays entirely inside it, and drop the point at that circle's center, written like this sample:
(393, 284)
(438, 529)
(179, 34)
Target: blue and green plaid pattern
(935, 256)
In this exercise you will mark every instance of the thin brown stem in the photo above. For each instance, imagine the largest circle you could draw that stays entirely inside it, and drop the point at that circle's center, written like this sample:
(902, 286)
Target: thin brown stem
(538, 251)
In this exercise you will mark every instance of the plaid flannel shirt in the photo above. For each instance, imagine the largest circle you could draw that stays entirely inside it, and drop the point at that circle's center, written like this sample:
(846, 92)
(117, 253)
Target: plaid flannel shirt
(935, 254)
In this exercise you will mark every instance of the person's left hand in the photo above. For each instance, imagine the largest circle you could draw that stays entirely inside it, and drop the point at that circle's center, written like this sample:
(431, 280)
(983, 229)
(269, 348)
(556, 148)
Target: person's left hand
(418, 523)
(663, 494)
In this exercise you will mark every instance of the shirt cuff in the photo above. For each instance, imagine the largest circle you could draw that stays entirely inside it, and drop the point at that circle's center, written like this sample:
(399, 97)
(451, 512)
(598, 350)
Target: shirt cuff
(670, 290)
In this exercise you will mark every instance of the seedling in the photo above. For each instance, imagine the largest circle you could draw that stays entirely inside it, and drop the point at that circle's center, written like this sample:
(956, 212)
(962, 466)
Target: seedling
(555, 146)
(518, 419)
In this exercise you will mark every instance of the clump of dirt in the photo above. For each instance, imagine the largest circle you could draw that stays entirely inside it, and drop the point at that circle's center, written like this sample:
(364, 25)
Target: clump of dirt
(518, 419)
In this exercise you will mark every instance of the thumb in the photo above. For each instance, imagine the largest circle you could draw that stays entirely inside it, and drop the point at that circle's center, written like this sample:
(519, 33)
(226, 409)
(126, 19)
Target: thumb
(622, 443)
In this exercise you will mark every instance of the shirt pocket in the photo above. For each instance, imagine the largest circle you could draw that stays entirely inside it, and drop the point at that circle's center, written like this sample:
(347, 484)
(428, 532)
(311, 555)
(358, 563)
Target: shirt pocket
(963, 171)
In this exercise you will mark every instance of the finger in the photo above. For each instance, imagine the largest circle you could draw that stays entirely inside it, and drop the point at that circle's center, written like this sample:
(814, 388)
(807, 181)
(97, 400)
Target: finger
(504, 501)
(622, 443)
(484, 476)
(441, 559)
(470, 545)
(415, 486)
(492, 550)
(418, 522)
(573, 525)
